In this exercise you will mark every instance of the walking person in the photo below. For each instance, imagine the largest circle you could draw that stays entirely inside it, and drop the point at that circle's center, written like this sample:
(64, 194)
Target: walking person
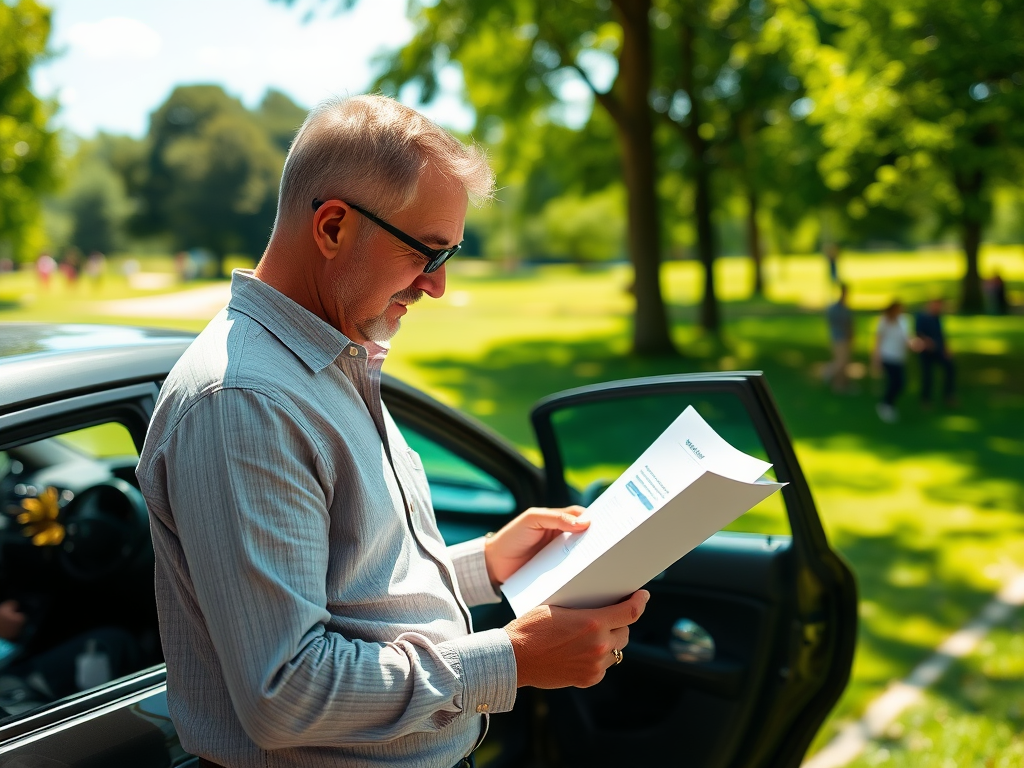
(892, 340)
(934, 353)
(840, 332)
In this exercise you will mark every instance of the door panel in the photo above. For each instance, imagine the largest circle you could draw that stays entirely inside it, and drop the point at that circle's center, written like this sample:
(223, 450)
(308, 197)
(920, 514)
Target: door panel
(778, 604)
(125, 725)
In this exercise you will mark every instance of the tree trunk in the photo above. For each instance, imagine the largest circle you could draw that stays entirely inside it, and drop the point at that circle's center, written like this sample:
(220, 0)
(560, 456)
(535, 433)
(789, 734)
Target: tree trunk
(971, 222)
(971, 300)
(632, 115)
(709, 318)
(754, 241)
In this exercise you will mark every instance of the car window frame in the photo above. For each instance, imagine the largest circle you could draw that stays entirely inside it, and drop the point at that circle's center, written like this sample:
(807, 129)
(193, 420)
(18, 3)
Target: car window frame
(131, 406)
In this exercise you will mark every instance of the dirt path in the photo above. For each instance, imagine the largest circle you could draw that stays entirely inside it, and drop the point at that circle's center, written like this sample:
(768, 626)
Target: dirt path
(193, 304)
(901, 694)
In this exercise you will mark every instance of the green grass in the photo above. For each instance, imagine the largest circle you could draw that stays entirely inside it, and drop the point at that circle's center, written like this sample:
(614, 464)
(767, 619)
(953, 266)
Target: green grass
(973, 717)
(928, 511)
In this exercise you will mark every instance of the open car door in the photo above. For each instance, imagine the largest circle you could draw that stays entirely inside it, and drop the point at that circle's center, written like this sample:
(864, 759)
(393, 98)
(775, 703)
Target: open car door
(747, 642)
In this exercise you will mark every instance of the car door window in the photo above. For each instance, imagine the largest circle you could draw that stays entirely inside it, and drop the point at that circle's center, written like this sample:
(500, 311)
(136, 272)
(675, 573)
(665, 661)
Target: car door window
(457, 485)
(598, 441)
(76, 597)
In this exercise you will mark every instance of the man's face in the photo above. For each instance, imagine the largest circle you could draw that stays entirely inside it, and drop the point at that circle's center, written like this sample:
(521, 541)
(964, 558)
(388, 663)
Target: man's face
(382, 276)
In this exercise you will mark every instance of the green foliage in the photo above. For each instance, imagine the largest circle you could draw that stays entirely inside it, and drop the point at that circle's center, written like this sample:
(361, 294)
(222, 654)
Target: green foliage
(28, 148)
(280, 118)
(211, 173)
(743, 90)
(582, 228)
(100, 208)
(92, 211)
(522, 61)
(921, 106)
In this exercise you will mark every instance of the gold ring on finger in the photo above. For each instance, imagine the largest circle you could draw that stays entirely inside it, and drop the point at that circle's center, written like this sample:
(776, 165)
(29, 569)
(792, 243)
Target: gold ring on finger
(618, 655)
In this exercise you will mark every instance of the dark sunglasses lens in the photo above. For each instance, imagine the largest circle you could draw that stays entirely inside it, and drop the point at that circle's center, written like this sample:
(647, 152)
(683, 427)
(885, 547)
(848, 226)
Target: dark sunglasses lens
(435, 263)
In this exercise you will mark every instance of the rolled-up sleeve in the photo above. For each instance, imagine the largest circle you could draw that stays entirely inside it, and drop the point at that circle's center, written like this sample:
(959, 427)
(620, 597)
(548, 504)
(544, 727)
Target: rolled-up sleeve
(252, 518)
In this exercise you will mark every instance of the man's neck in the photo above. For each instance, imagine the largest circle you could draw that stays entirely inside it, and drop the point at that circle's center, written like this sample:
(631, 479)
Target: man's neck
(288, 269)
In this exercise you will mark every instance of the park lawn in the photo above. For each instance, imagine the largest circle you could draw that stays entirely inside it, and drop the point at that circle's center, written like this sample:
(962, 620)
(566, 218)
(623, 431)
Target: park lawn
(973, 717)
(927, 511)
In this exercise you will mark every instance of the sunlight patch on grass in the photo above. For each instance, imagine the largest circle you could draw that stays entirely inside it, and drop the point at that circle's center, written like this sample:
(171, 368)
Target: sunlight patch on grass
(975, 716)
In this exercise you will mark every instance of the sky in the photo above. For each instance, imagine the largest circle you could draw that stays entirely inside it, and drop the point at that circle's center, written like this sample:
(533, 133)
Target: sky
(116, 61)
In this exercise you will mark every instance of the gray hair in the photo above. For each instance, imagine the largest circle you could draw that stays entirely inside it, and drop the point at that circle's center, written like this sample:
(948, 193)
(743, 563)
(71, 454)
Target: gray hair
(371, 151)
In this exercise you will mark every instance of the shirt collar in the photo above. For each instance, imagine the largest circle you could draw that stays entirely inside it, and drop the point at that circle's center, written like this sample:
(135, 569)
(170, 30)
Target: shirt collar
(313, 341)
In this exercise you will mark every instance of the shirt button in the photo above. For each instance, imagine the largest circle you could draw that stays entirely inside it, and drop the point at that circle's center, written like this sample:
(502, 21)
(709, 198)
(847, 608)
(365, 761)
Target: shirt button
(482, 708)
(353, 352)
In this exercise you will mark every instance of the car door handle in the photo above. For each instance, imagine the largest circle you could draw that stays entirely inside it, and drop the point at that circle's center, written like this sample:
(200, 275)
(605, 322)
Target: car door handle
(721, 677)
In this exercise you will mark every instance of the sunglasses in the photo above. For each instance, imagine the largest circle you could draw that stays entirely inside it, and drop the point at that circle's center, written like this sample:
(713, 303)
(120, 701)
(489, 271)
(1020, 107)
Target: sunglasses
(435, 257)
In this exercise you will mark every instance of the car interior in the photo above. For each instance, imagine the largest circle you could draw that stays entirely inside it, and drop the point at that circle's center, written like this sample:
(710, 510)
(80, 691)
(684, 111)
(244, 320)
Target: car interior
(76, 595)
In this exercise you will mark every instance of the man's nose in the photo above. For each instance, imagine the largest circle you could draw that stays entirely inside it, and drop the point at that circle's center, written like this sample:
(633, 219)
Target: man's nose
(432, 283)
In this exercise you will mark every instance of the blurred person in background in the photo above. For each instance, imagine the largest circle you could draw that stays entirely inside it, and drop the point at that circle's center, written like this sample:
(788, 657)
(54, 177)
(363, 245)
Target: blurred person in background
(70, 265)
(935, 352)
(46, 265)
(95, 266)
(995, 294)
(892, 342)
(840, 332)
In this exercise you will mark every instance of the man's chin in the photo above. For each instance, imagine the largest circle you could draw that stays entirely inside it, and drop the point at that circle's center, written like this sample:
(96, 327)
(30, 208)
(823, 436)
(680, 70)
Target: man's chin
(380, 329)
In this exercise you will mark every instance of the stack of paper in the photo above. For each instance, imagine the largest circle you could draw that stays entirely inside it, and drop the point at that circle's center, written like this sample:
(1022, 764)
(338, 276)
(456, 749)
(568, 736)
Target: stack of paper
(689, 484)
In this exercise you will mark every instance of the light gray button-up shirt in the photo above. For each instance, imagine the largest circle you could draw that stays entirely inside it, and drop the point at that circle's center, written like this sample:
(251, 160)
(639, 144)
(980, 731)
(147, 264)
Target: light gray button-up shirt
(310, 612)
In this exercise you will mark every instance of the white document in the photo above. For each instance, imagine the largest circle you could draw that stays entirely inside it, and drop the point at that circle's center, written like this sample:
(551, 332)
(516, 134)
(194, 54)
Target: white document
(689, 484)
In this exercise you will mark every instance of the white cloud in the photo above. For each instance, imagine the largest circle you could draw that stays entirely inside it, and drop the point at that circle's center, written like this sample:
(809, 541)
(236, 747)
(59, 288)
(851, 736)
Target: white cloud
(116, 37)
(225, 58)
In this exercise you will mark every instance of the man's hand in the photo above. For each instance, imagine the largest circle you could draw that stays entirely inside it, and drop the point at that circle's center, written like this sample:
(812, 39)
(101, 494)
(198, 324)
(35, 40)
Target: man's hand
(561, 647)
(521, 539)
(12, 620)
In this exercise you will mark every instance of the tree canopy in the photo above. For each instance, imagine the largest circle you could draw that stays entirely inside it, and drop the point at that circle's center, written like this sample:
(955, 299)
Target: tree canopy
(921, 104)
(28, 147)
(211, 169)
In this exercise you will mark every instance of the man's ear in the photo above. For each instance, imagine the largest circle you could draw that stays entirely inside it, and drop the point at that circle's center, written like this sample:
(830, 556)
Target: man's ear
(334, 228)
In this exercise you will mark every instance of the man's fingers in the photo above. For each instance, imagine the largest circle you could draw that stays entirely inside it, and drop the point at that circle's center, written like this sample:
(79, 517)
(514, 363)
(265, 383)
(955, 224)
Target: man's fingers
(566, 519)
(625, 613)
(620, 639)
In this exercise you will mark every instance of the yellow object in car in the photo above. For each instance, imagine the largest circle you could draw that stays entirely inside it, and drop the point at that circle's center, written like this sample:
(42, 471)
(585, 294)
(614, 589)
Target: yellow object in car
(39, 520)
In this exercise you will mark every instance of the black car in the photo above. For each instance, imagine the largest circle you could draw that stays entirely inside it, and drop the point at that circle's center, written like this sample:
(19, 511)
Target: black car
(745, 646)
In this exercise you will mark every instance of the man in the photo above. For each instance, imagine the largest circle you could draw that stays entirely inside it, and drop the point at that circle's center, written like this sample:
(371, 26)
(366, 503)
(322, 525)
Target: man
(840, 331)
(310, 612)
(934, 352)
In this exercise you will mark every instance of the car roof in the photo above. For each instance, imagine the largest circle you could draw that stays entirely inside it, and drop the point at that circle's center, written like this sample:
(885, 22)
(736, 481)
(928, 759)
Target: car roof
(41, 360)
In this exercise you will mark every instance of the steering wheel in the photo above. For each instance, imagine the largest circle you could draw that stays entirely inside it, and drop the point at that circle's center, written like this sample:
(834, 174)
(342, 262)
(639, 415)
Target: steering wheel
(106, 527)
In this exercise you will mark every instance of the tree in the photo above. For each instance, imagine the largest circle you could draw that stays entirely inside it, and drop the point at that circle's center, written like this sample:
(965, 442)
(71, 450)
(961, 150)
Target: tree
(92, 210)
(929, 98)
(211, 174)
(727, 88)
(99, 208)
(517, 58)
(28, 148)
(583, 228)
(280, 117)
